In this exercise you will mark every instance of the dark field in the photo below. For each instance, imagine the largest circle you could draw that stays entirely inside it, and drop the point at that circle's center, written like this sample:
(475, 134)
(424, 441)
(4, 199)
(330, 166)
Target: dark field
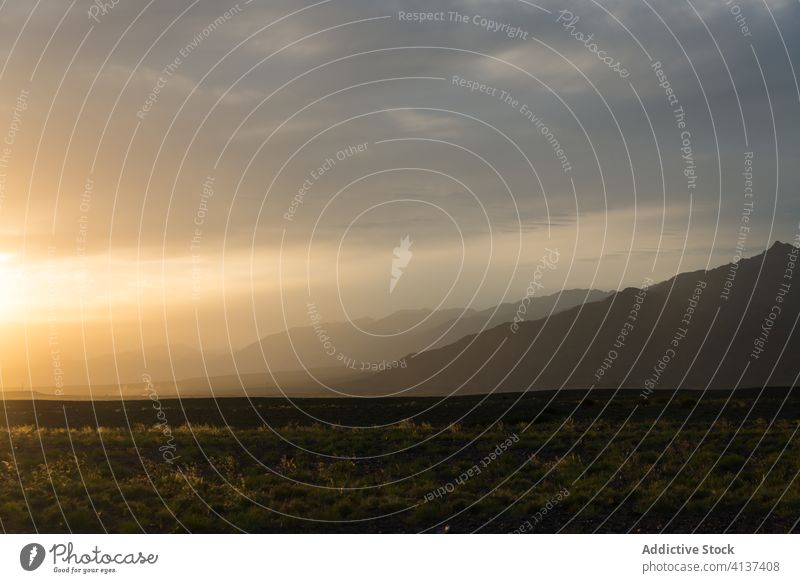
(542, 462)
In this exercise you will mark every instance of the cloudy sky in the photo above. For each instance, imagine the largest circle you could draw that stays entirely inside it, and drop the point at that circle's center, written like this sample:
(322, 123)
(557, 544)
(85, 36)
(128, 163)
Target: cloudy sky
(179, 169)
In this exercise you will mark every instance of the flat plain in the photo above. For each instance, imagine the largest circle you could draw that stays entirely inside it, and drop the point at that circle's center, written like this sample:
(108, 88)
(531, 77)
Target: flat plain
(569, 461)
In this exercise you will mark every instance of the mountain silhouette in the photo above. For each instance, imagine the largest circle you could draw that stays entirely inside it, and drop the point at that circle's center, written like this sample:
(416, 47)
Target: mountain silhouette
(376, 341)
(293, 360)
(728, 327)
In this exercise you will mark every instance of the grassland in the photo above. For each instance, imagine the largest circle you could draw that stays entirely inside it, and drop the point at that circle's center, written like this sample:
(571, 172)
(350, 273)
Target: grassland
(676, 462)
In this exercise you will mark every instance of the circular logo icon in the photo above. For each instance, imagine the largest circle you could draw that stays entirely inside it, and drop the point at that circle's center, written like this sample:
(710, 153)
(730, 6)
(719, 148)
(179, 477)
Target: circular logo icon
(31, 556)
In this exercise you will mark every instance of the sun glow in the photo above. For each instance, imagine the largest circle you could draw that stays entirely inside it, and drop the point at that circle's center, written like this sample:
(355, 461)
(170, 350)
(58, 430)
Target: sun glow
(11, 296)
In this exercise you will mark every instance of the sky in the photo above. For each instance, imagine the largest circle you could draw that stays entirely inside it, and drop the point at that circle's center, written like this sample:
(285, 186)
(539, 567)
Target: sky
(201, 172)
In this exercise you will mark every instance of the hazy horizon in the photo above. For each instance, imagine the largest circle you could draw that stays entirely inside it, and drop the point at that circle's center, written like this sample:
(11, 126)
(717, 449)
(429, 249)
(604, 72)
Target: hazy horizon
(203, 175)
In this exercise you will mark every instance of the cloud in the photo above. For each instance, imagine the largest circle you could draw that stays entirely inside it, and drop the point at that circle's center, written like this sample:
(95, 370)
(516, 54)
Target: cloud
(88, 79)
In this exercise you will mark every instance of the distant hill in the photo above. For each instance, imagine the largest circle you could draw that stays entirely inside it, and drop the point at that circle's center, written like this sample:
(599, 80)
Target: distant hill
(698, 329)
(387, 339)
(296, 358)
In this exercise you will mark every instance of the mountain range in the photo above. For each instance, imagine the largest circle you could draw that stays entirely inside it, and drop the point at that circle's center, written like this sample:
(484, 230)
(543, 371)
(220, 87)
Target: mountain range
(293, 360)
(728, 327)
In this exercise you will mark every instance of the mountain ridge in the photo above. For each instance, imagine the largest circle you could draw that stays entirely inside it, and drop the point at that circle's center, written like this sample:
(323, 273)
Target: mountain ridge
(569, 349)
